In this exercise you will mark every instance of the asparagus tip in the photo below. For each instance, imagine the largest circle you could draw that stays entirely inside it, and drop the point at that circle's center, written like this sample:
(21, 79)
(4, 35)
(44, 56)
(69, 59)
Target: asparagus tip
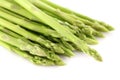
(42, 61)
(59, 63)
(91, 41)
(110, 28)
(100, 27)
(98, 34)
(95, 55)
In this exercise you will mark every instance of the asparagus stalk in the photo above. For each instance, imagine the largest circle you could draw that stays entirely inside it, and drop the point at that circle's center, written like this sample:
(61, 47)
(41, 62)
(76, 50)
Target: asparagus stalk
(48, 44)
(75, 30)
(31, 36)
(49, 54)
(94, 25)
(17, 9)
(60, 29)
(30, 25)
(32, 58)
(85, 30)
(27, 23)
(77, 14)
(21, 44)
(25, 14)
(109, 27)
(73, 19)
(82, 34)
(67, 48)
(28, 17)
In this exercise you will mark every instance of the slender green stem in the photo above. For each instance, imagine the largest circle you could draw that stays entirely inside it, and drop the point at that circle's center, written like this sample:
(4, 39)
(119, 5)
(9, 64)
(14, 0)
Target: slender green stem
(49, 54)
(29, 35)
(34, 59)
(78, 14)
(21, 44)
(52, 23)
(27, 23)
(16, 8)
(86, 30)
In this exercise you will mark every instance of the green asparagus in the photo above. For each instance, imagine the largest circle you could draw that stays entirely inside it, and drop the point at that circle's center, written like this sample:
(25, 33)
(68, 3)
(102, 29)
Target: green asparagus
(78, 14)
(31, 36)
(42, 31)
(27, 23)
(64, 32)
(35, 59)
(47, 53)
(21, 44)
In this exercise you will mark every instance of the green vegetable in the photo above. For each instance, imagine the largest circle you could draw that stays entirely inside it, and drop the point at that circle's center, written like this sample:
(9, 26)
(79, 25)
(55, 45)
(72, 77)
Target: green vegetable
(78, 14)
(26, 15)
(29, 35)
(42, 31)
(15, 8)
(32, 25)
(21, 44)
(71, 18)
(27, 23)
(60, 29)
(34, 59)
(13, 36)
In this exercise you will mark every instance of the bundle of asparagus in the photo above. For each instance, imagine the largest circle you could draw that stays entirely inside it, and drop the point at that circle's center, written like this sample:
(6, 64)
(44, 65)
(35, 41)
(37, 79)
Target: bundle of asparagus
(41, 31)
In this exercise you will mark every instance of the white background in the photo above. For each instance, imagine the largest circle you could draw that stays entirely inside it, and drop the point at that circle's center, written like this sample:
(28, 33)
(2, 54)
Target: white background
(79, 67)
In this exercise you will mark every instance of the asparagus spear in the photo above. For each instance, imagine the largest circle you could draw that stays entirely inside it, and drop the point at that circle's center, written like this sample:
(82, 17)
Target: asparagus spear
(34, 59)
(31, 25)
(49, 54)
(60, 29)
(73, 19)
(86, 30)
(95, 32)
(17, 9)
(94, 25)
(30, 14)
(30, 36)
(67, 49)
(27, 23)
(10, 17)
(21, 44)
(82, 34)
(79, 15)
